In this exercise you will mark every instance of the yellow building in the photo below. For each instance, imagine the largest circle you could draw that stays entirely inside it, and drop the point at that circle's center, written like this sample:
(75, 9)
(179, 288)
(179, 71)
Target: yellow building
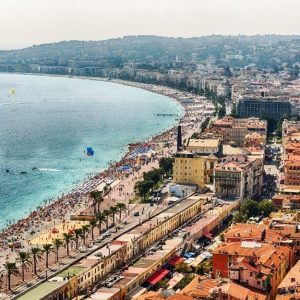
(204, 146)
(192, 168)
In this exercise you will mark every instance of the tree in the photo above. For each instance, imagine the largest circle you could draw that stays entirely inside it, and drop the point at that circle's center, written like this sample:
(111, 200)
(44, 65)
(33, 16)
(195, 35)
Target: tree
(234, 111)
(266, 207)
(57, 243)
(239, 218)
(106, 214)
(205, 267)
(85, 230)
(143, 187)
(93, 224)
(183, 268)
(166, 164)
(67, 237)
(98, 199)
(10, 268)
(24, 259)
(78, 233)
(185, 281)
(113, 211)
(121, 207)
(36, 253)
(249, 208)
(47, 248)
(153, 175)
(221, 111)
(204, 124)
(100, 217)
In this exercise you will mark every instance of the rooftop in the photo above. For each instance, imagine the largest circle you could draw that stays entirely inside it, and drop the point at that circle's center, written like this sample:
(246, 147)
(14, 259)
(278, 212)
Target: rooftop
(43, 290)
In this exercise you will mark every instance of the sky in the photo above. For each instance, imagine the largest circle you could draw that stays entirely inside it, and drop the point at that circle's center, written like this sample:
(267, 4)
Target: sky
(27, 22)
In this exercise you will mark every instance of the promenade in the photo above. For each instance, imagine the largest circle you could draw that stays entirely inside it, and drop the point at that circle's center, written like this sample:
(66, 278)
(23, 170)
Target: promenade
(50, 222)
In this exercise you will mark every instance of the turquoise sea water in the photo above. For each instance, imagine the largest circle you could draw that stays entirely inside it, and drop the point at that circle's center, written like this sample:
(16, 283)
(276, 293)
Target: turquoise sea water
(48, 123)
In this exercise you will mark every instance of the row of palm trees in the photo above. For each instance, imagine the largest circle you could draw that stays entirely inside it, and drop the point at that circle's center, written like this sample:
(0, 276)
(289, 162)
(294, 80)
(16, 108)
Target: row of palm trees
(31, 258)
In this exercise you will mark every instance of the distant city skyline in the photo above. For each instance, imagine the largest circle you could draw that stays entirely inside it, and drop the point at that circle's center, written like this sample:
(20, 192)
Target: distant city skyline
(28, 22)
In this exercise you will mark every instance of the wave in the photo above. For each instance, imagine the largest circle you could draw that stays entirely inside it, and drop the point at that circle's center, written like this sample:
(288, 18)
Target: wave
(49, 170)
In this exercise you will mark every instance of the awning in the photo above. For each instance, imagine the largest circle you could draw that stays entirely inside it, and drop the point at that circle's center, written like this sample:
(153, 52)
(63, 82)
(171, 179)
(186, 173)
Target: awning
(208, 235)
(175, 260)
(157, 276)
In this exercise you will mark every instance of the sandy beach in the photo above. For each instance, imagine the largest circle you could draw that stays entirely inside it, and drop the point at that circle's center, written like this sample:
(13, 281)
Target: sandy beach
(53, 219)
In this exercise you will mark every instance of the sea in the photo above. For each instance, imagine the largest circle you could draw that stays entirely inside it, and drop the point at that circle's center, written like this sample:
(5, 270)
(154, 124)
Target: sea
(46, 124)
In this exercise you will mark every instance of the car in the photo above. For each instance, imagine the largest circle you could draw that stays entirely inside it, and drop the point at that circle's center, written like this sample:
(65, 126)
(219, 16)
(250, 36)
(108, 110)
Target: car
(107, 234)
(136, 214)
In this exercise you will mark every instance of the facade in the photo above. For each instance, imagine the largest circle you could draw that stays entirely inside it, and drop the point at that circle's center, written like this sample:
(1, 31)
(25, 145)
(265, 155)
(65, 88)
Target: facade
(91, 269)
(234, 131)
(289, 288)
(285, 201)
(238, 177)
(221, 288)
(192, 168)
(258, 265)
(291, 157)
(264, 108)
(203, 146)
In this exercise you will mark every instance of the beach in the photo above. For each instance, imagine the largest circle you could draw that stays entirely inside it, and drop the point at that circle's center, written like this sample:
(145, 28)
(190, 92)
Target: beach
(54, 218)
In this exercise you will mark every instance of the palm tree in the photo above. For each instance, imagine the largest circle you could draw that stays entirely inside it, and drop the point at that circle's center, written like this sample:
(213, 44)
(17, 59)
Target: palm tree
(10, 268)
(24, 260)
(47, 248)
(67, 237)
(85, 230)
(93, 224)
(100, 217)
(36, 253)
(57, 243)
(106, 214)
(78, 233)
(121, 207)
(98, 199)
(113, 211)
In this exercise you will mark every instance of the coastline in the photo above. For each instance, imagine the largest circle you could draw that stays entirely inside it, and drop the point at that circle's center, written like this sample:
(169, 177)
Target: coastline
(146, 87)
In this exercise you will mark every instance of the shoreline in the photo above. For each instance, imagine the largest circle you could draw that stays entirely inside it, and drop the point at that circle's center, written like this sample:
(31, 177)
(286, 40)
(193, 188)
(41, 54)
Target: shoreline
(87, 179)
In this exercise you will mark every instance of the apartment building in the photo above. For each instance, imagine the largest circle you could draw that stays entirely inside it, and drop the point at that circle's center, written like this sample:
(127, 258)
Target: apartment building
(257, 265)
(291, 157)
(234, 131)
(114, 254)
(264, 108)
(286, 201)
(260, 233)
(238, 177)
(289, 288)
(220, 288)
(203, 146)
(193, 168)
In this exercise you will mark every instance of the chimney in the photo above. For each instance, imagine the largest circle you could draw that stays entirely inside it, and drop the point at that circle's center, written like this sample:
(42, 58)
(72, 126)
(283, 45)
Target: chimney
(179, 139)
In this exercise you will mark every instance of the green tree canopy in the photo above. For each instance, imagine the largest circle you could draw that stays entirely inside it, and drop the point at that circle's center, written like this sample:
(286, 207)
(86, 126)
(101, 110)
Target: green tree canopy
(166, 164)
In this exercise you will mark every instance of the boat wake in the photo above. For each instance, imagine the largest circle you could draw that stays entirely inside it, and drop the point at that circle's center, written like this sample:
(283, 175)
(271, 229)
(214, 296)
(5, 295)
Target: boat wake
(49, 170)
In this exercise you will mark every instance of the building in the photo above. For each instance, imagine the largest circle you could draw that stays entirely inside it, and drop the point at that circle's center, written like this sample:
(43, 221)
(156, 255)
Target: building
(260, 233)
(192, 168)
(257, 265)
(220, 288)
(289, 288)
(286, 201)
(264, 108)
(112, 256)
(234, 131)
(290, 158)
(238, 177)
(203, 146)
